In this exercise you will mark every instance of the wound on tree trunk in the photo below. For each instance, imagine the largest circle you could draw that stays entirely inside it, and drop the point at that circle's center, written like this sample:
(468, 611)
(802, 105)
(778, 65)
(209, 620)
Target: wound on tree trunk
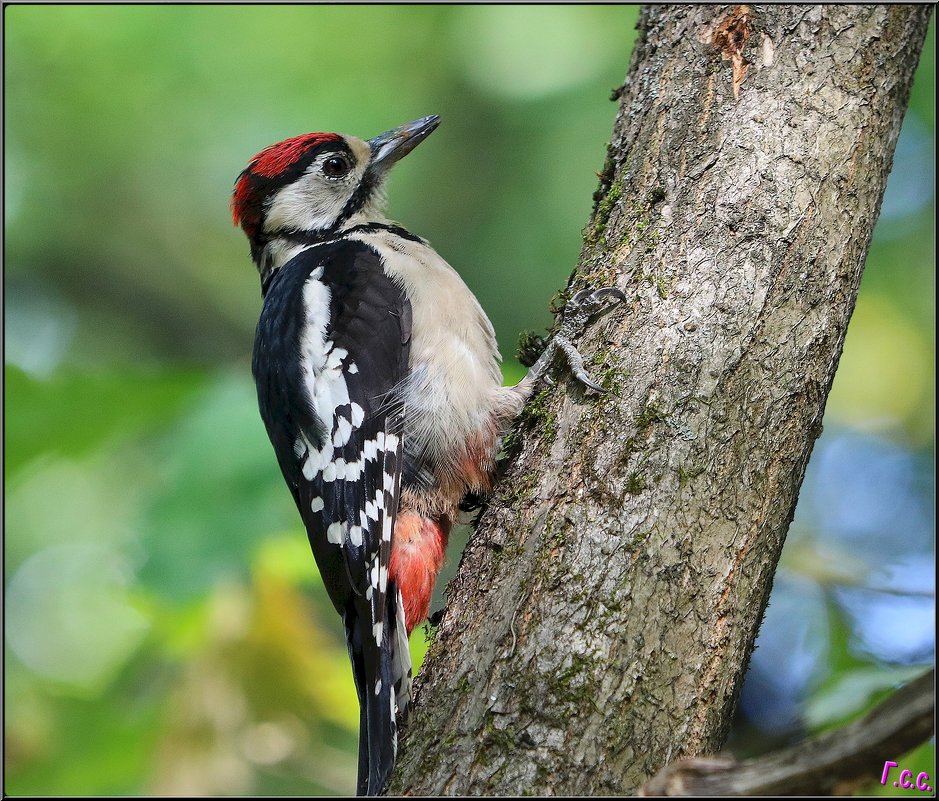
(604, 612)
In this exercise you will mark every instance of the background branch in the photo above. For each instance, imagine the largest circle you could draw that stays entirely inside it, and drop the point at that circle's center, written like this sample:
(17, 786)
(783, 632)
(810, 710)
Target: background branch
(835, 761)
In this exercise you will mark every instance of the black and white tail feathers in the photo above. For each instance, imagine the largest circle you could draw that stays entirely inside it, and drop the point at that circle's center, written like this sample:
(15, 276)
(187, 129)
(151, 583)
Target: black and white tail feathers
(383, 683)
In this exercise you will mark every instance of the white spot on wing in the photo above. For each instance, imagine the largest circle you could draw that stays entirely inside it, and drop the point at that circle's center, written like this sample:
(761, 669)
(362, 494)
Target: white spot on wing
(358, 414)
(343, 431)
(336, 355)
(322, 457)
(377, 631)
(316, 505)
(355, 535)
(334, 533)
(316, 298)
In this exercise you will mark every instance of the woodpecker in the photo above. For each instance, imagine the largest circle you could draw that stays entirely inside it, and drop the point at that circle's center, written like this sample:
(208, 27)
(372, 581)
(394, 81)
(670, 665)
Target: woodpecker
(378, 381)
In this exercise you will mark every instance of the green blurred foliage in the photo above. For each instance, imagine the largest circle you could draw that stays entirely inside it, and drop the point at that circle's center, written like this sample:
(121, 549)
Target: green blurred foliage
(143, 116)
(166, 629)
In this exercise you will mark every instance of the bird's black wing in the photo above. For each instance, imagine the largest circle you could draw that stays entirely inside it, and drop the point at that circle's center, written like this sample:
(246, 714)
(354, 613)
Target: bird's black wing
(331, 350)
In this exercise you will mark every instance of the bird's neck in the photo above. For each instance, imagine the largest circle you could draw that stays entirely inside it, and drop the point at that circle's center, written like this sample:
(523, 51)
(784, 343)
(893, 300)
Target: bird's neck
(276, 248)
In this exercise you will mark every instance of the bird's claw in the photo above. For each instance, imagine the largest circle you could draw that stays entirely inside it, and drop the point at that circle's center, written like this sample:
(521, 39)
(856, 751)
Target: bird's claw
(576, 363)
(584, 305)
(587, 302)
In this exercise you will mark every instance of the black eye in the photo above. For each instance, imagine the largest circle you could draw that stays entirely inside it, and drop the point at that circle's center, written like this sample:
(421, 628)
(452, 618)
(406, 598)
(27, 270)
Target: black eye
(335, 166)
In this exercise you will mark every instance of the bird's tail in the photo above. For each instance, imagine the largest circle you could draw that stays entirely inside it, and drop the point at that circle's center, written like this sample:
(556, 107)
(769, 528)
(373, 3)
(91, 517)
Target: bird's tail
(383, 682)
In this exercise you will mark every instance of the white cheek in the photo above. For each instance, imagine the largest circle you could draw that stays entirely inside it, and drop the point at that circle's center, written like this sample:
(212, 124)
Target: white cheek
(305, 206)
(312, 202)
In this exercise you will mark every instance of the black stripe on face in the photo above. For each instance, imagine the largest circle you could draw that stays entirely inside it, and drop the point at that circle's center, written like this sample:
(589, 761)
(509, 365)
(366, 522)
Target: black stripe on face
(369, 183)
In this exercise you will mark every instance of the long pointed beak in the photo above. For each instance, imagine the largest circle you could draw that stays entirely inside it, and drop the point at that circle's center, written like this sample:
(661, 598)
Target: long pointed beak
(393, 145)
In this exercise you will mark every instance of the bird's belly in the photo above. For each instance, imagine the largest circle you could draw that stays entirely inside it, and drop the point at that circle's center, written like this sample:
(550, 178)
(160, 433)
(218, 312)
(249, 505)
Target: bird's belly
(450, 399)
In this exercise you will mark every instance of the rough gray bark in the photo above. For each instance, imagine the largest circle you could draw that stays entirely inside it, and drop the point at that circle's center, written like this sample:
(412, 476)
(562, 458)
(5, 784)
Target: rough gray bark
(605, 610)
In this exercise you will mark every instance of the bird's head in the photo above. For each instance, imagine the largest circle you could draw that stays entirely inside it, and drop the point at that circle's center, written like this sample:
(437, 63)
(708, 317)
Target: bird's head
(315, 185)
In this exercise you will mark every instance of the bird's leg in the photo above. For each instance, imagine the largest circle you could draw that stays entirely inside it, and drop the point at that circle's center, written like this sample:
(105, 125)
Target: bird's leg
(581, 308)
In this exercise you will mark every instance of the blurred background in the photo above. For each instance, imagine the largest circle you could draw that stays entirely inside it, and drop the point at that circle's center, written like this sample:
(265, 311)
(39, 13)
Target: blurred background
(166, 631)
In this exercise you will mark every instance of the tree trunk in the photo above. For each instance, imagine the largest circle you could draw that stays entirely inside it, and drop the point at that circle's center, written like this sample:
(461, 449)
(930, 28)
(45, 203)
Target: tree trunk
(603, 614)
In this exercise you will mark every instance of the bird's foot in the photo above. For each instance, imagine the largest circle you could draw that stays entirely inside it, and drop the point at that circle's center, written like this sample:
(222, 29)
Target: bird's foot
(580, 309)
